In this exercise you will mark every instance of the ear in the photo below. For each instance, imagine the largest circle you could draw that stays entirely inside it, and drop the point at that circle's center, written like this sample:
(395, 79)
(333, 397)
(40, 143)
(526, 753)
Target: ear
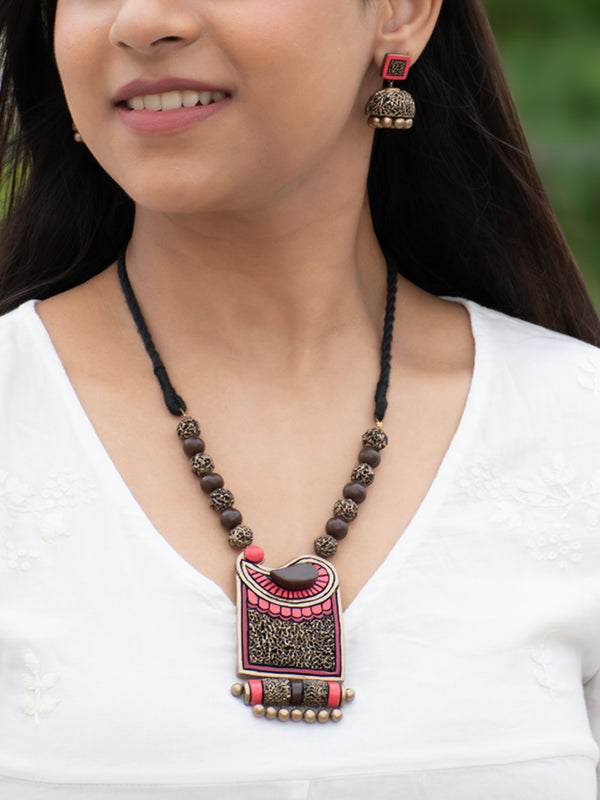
(405, 27)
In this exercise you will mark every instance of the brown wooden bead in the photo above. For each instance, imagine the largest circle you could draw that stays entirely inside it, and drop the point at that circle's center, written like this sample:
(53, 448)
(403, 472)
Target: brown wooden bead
(230, 518)
(345, 509)
(208, 483)
(325, 546)
(221, 499)
(370, 456)
(192, 446)
(355, 491)
(337, 528)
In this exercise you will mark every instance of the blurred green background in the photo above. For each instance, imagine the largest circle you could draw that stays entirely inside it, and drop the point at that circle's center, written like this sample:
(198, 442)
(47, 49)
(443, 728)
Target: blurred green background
(551, 51)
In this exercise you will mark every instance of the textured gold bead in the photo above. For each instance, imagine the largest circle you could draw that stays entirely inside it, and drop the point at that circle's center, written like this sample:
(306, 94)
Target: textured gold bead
(349, 695)
(237, 689)
(323, 715)
(325, 546)
(271, 713)
(336, 715)
(309, 715)
(296, 715)
(387, 122)
(188, 427)
(283, 714)
(258, 710)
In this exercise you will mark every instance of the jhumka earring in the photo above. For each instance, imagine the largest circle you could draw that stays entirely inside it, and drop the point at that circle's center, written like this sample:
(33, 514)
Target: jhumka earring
(392, 107)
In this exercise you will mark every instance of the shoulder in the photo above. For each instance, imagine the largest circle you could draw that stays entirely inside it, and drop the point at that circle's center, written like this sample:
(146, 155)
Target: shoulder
(28, 364)
(546, 378)
(522, 339)
(19, 339)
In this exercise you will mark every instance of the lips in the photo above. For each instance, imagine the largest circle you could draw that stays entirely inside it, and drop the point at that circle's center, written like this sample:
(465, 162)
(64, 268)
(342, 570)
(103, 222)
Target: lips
(167, 105)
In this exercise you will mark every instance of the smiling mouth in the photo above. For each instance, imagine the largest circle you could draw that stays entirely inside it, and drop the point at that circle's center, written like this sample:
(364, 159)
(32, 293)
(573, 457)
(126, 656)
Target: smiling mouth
(170, 101)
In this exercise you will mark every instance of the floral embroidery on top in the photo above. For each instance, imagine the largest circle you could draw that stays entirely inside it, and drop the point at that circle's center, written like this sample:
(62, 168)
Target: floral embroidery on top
(45, 510)
(589, 376)
(522, 502)
(37, 699)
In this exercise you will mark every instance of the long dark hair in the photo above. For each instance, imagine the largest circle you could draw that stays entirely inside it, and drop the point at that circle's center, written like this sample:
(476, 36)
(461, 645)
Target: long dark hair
(456, 201)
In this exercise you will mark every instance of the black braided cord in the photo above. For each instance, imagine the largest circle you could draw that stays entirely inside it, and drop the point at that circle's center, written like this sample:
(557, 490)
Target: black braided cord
(383, 383)
(176, 405)
(173, 401)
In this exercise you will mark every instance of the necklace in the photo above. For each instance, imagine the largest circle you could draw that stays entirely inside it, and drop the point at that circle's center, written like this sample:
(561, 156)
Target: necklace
(289, 620)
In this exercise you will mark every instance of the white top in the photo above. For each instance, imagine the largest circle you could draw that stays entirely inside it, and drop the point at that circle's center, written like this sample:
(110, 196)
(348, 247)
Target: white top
(474, 650)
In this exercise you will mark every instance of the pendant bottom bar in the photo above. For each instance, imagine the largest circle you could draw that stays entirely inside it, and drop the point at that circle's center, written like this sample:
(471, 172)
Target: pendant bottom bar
(284, 699)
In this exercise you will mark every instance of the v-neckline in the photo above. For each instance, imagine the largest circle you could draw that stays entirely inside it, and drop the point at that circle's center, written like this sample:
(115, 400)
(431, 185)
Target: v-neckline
(209, 588)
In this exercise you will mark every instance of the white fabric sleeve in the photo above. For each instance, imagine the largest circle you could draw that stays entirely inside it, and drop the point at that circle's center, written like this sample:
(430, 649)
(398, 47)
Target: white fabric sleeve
(592, 699)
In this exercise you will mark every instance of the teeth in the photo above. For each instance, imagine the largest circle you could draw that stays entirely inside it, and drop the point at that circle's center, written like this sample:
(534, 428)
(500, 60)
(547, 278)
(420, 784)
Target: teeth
(152, 102)
(167, 101)
(170, 100)
(189, 98)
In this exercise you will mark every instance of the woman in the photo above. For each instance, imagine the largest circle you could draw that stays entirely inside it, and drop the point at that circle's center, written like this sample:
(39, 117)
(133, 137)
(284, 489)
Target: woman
(223, 147)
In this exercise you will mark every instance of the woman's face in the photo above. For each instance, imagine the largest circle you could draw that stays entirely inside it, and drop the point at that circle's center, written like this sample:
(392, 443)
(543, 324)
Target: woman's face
(195, 105)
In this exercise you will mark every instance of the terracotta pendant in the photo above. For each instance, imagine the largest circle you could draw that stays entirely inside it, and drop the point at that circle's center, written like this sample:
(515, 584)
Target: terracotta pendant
(290, 639)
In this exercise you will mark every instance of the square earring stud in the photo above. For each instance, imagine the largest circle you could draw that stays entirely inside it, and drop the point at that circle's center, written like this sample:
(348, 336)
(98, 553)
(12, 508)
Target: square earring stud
(395, 68)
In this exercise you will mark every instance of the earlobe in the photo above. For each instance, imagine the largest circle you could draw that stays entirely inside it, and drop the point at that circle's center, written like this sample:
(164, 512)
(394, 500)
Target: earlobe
(406, 26)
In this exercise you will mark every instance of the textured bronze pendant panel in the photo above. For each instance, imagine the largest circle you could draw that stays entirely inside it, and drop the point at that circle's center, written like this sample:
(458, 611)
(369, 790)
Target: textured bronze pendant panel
(290, 641)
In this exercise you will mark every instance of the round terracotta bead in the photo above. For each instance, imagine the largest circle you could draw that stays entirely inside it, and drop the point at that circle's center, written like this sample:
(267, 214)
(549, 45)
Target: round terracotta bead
(221, 499)
(210, 482)
(337, 528)
(192, 446)
(375, 438)
(254, 553)
(202, 464)
(345, 509)
(355, 491)
(325, 546)
(188, 427)
(370, 456)
(240, 537)
(364, 474)
(230, 518)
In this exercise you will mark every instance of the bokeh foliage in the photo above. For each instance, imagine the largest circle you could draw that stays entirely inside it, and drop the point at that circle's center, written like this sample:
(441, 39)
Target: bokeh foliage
(551, 51)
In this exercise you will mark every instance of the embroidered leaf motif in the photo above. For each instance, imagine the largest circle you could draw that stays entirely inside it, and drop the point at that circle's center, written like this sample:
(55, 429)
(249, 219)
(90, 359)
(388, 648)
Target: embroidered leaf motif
(32, 662)
(545, 674)
(49, 680)
(545, 504)
(37, 702)
(589, 377)
(48, 505)
(48, 704)
(29, 705)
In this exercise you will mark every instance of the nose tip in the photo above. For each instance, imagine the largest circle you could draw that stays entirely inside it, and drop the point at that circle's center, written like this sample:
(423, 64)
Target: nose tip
(148, 26)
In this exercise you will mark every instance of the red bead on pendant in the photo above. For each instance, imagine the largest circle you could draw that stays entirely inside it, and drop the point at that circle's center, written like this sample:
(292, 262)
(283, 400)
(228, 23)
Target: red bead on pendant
(254, 553)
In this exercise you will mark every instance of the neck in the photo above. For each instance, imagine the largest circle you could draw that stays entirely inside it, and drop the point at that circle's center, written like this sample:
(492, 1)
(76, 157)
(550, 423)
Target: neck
(291, 279)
